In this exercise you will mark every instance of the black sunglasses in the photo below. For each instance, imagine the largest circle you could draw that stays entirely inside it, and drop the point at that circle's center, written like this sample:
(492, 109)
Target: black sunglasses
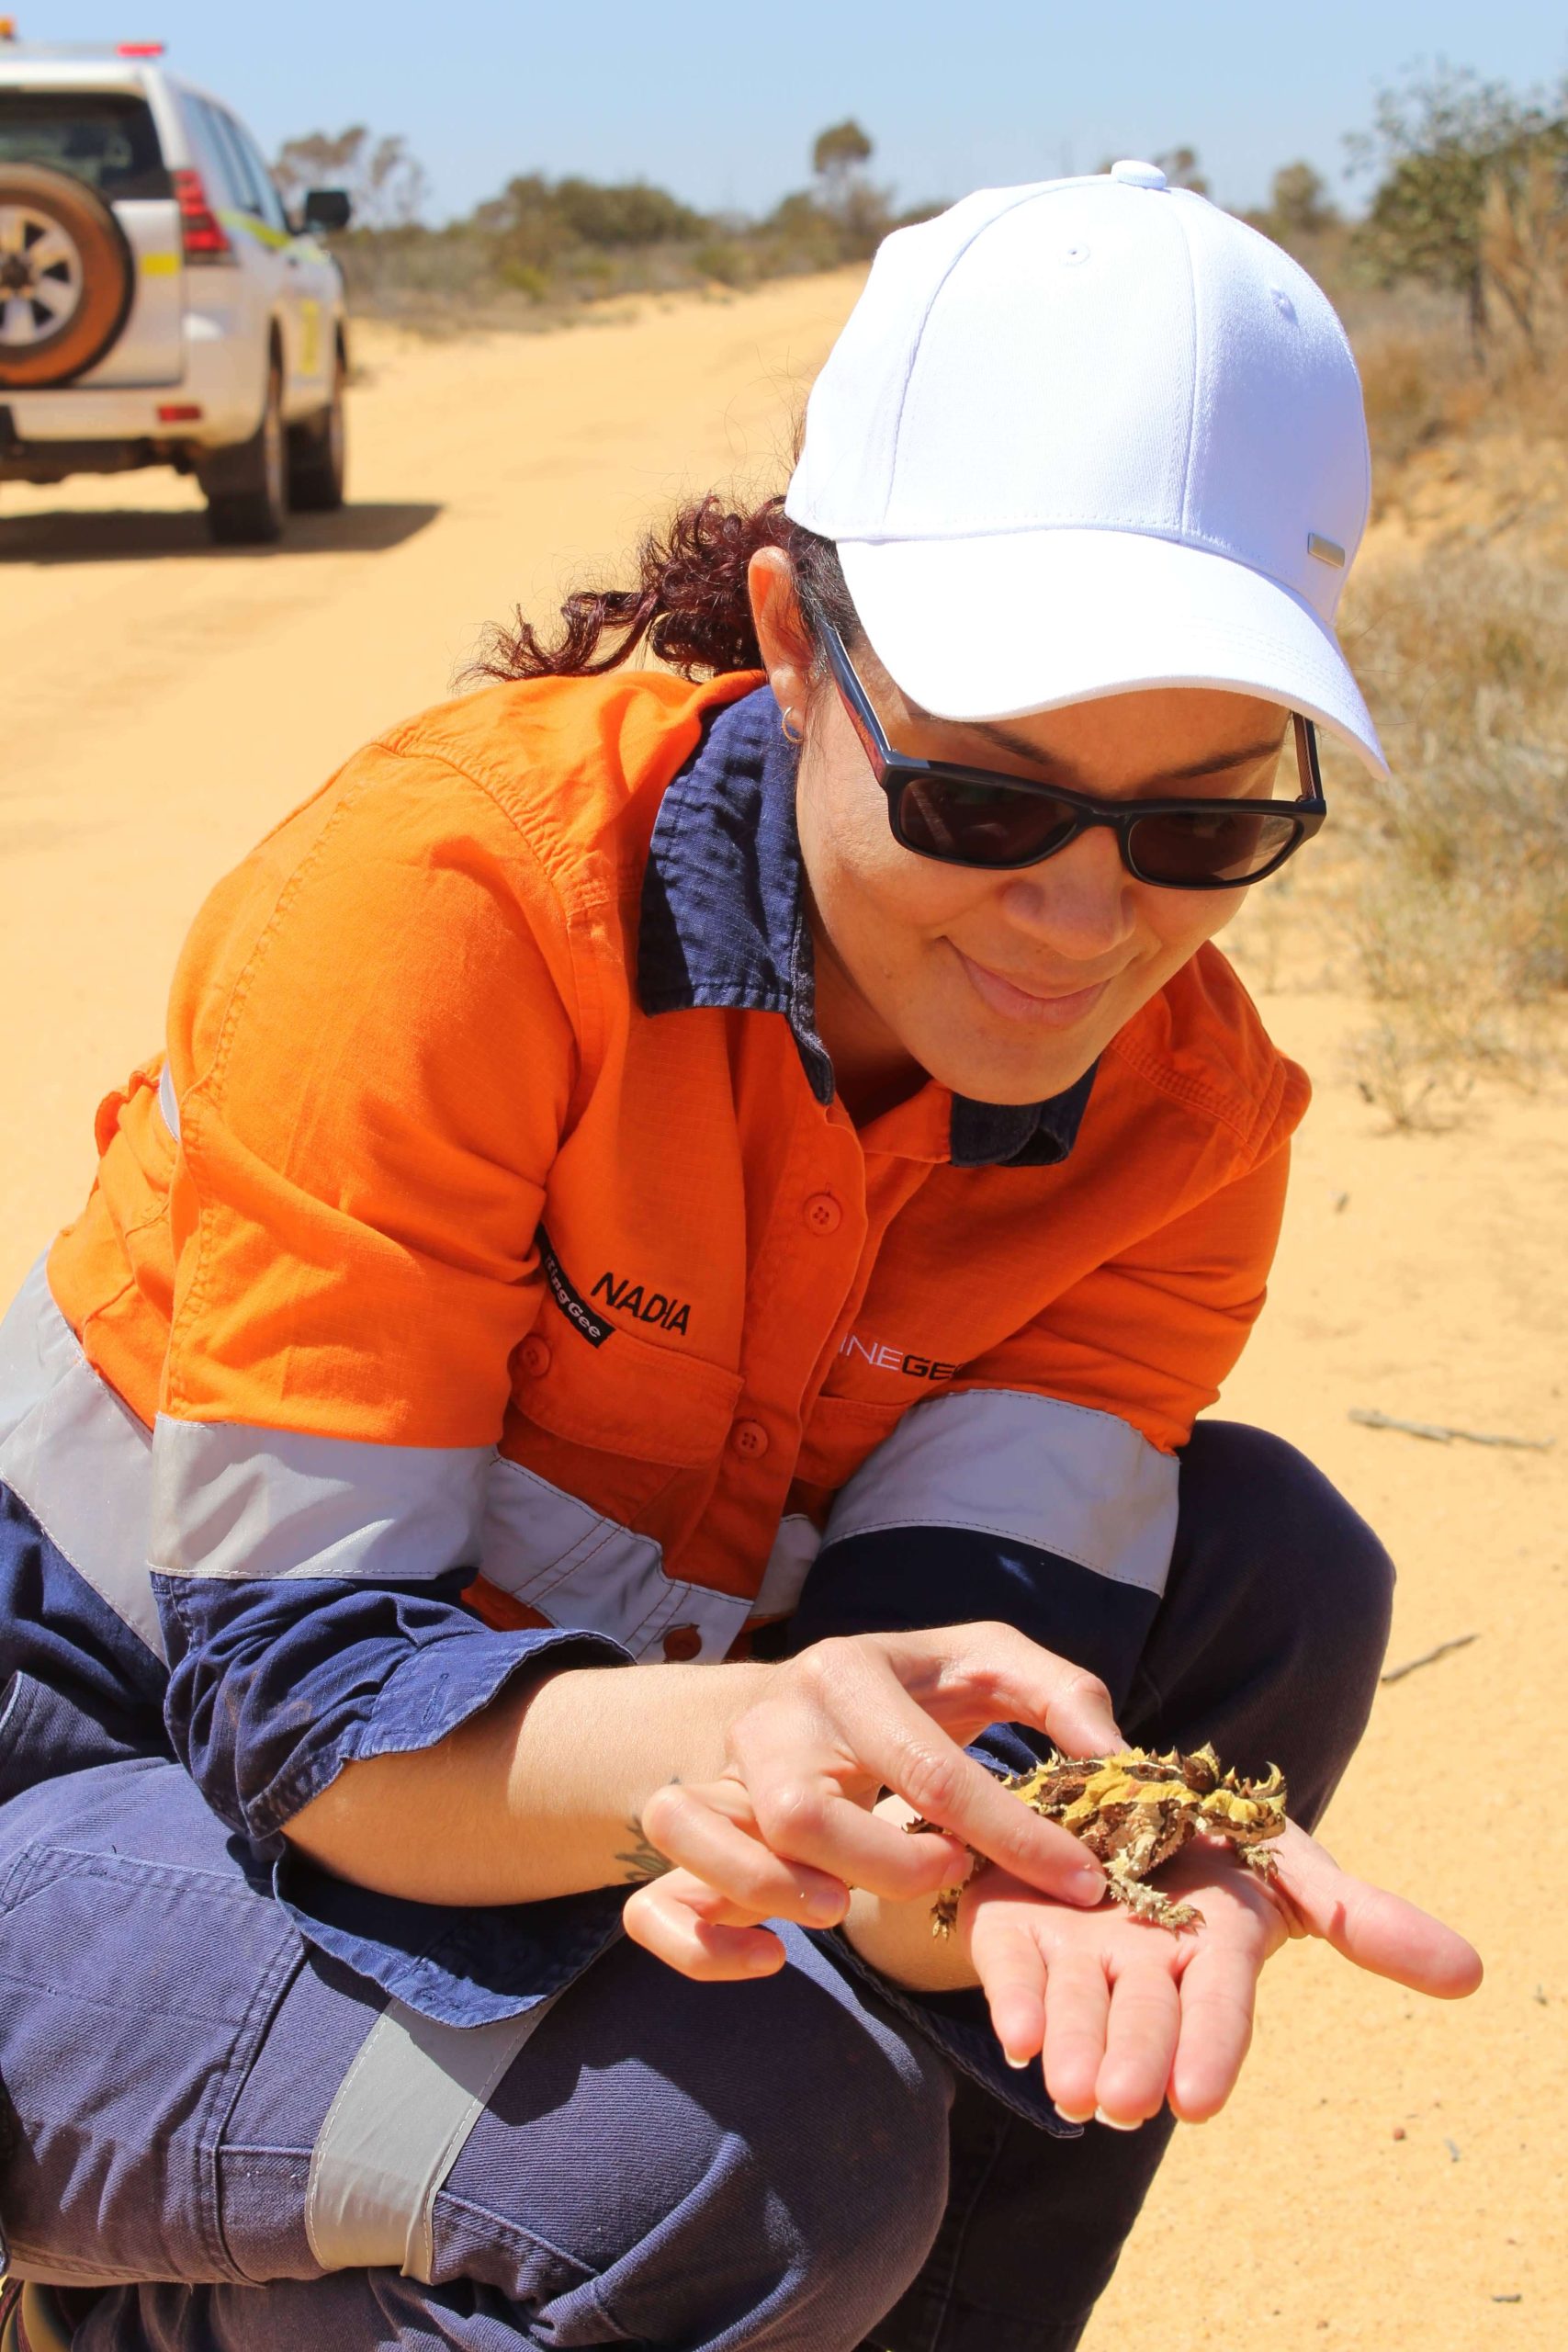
(976, 816)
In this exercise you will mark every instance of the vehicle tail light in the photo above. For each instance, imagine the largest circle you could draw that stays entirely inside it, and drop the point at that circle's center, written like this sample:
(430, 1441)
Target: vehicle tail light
(201, 232)
(179, 412)
(140, 48)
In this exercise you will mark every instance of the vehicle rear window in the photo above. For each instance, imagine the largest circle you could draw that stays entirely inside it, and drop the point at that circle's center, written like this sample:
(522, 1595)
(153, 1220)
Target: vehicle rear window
(107, 138)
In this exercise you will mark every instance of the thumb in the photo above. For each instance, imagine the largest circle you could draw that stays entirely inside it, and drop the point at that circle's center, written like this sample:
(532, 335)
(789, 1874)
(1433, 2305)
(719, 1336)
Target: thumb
(1372, 1928)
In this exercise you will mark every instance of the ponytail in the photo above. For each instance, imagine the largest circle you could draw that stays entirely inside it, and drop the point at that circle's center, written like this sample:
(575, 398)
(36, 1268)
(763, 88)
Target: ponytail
(690, 604)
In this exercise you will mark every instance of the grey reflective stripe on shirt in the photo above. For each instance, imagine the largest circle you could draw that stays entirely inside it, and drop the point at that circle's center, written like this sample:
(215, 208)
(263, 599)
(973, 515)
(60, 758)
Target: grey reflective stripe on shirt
(1031, 1469)
(394, 2131)
(239, 1503)
(795, 1547)
(166, 1102)
(555, 1554)
(77, 1456)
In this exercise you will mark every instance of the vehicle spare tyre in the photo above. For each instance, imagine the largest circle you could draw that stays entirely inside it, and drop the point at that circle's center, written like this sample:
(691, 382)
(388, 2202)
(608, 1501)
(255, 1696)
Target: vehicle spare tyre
(66, 277)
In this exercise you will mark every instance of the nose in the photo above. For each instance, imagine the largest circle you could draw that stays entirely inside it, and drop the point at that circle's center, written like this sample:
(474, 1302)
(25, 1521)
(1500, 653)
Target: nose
(1080, 904)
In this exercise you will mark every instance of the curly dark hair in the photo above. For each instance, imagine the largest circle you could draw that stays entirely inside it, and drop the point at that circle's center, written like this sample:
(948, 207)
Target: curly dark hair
(690, 604)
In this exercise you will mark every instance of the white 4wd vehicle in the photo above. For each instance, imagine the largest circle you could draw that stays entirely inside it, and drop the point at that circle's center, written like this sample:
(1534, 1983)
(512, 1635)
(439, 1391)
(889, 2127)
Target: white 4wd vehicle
(158, 306)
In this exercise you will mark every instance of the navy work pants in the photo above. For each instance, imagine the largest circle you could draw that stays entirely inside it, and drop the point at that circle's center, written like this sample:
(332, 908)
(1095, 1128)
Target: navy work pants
(785, 2163)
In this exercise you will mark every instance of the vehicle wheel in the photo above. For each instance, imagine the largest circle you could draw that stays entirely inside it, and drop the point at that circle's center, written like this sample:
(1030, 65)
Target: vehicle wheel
(66, 277)
(318, 453)
(247, 487)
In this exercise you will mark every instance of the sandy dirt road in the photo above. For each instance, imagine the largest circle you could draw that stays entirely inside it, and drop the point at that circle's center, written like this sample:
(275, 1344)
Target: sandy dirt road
(1391, 2173)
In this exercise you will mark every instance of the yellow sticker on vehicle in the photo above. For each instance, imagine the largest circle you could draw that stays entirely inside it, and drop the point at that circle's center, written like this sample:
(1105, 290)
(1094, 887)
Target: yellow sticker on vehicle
(160, 265)
(276, 241)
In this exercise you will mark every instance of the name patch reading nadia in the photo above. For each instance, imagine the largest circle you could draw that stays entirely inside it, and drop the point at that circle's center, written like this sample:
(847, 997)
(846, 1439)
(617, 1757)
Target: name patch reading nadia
(629, 1298)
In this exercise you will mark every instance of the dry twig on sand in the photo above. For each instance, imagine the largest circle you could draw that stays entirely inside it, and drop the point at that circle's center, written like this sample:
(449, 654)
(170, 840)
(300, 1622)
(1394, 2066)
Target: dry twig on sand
(1369, 1417)
(1441, 1649)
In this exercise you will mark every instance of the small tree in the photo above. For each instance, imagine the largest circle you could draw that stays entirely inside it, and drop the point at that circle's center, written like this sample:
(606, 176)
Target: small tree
(858, 211)
(386, 184)
(838, 156)
(1182, 169)
(1441, 144)
(1299, 204)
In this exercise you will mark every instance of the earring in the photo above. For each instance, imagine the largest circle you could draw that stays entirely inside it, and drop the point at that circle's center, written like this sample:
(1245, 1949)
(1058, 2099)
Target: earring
(795, 734)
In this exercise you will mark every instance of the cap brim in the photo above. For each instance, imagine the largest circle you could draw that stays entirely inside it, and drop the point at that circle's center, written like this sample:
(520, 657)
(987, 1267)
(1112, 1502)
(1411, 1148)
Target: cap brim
(1010, 623)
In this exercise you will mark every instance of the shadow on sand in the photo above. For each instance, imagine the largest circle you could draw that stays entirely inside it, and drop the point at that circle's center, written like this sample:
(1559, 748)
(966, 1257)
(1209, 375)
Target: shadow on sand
(369, 526)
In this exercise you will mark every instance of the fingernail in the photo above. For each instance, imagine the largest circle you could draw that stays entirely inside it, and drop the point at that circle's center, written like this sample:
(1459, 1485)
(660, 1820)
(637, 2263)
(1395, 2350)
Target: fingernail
(1087, 1887)
(1017, 2065)
(1111, 2122)
(1068, 2117)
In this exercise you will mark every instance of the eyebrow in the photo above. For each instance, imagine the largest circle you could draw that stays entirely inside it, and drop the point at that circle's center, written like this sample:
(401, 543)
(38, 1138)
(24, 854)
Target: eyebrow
(1021, 748)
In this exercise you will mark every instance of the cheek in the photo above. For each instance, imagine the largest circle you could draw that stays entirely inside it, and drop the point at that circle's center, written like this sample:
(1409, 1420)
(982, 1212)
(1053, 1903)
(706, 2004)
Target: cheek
(1182, 920)
(879, 905)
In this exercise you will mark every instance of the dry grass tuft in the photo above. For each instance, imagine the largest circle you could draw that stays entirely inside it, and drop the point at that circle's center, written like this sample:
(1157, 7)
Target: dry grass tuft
(1459, 912)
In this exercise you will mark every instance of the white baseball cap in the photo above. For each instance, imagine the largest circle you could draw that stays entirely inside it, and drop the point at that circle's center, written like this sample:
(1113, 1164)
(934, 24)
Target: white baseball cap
(1091, 435)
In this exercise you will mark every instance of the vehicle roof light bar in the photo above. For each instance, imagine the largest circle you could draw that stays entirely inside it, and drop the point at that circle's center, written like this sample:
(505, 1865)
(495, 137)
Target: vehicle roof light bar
(86, 50)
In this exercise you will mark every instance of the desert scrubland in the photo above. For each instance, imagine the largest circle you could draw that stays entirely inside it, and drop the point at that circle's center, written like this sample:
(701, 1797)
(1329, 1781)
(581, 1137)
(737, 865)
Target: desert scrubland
(1391, 2173)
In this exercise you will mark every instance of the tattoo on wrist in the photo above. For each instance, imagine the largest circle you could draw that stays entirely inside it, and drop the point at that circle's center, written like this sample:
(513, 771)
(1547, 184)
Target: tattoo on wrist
(642, 1859)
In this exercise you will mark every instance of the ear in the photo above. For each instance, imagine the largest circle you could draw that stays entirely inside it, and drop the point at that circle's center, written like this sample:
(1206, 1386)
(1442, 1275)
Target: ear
(785, 647)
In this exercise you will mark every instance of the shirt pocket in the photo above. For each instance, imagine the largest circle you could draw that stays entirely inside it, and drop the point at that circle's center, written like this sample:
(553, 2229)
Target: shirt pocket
(609, 1455)
(626, 1395)
(841, 1433)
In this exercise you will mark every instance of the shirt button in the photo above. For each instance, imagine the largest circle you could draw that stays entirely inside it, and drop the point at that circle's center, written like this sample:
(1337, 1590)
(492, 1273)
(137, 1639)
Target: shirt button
(683, 1642)
(751, 1439)
(536, 1355)
(823, 1213)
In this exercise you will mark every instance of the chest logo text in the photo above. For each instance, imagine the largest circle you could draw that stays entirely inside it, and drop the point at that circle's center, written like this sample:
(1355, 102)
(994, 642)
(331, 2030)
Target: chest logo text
(883, 1358)
(647, 1305)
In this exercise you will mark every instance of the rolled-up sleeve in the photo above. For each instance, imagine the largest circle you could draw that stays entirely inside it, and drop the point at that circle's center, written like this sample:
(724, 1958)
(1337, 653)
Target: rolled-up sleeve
(311, 1591)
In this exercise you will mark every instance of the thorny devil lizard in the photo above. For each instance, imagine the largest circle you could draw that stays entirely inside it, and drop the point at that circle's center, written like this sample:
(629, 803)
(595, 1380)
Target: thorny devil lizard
(1135, 1810)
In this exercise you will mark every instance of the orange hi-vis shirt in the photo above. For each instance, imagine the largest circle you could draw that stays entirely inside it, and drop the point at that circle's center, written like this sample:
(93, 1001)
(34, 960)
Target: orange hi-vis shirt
(492, 1217)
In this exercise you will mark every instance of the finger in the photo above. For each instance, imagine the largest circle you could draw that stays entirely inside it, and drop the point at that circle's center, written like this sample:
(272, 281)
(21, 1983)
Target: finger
(686, 1825)
(1012, 1969)
(1077, 2008)
(1219, 1991)
(660, 1919)
(987, 1672)
(1375, 1929)
(897, 1742)
(810, 1822)
(1141, 2035)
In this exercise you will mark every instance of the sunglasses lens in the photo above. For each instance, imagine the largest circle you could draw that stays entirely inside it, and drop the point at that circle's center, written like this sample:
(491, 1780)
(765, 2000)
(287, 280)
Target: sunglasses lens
(981, 825)
(1210, 846)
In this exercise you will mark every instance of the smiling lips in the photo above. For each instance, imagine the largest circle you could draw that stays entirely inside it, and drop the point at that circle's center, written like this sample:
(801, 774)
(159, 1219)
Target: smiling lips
(1044, 1008)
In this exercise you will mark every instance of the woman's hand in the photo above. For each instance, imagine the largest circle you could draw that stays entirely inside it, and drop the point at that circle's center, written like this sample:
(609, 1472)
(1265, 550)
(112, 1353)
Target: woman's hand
(1125, 2016)
(789, 1827)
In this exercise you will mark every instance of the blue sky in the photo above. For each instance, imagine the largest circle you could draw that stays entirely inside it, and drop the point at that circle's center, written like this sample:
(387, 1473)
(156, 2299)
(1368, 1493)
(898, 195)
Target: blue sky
(721, 102)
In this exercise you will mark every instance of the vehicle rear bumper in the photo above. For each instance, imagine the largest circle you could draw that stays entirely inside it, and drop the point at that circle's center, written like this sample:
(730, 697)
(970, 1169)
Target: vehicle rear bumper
(220, 377)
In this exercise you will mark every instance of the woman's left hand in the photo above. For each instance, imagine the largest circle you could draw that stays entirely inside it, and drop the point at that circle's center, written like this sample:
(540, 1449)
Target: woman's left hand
(1126, 2015)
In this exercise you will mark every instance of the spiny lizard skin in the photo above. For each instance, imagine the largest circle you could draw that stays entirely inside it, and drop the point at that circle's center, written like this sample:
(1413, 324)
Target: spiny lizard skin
(1135, 1810)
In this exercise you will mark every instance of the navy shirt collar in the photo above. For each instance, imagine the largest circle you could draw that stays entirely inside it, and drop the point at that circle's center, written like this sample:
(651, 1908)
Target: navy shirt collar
(724, 922)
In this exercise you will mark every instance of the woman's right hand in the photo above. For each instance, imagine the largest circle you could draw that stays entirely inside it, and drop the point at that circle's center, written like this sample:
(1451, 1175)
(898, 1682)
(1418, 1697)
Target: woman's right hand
(788, 1828)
